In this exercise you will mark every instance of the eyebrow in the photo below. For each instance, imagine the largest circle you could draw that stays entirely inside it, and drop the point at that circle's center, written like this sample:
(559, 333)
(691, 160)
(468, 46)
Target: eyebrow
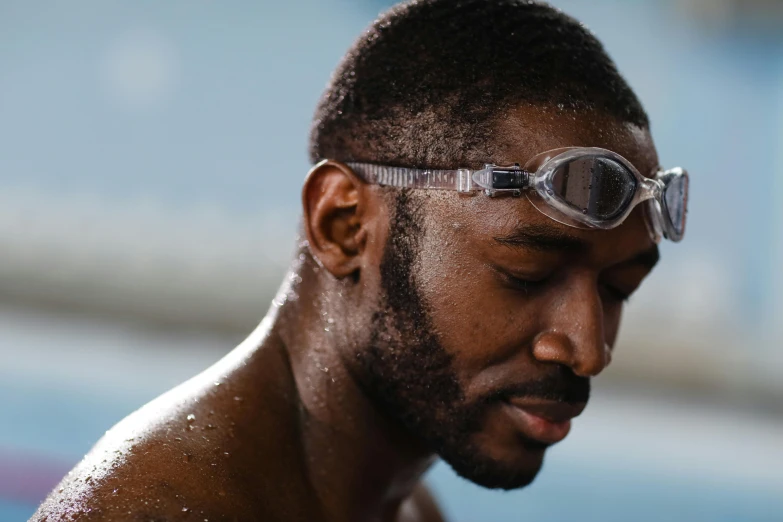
(542, 238)
(549, 239)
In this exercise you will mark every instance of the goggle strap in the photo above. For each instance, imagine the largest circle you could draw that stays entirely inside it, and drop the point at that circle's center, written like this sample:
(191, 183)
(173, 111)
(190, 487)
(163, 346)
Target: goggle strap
(491, 178)
(402, 177)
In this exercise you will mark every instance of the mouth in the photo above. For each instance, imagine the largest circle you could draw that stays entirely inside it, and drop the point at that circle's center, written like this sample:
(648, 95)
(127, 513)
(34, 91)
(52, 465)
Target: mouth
(543, 420)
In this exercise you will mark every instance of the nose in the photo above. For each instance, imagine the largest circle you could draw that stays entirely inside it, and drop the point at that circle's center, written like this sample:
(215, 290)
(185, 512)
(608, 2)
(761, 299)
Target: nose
(574, 335)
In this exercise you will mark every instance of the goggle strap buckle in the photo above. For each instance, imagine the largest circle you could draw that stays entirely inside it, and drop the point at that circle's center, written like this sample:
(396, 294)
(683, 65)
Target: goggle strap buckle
(494, 179)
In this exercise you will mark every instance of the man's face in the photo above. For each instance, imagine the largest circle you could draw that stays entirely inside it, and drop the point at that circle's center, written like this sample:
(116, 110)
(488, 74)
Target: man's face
(492, 317)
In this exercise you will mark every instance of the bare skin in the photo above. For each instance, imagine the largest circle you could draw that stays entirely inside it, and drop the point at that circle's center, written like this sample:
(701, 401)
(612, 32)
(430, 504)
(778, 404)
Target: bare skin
(282, 428)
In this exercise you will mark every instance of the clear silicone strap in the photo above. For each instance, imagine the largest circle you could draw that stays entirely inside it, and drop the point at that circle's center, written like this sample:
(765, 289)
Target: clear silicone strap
(459, 179)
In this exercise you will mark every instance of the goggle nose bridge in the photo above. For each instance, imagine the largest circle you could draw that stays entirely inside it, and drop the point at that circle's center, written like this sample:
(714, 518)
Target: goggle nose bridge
(649, 188)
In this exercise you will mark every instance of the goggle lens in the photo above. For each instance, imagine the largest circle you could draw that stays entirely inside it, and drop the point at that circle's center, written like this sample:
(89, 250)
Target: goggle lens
(598, 187)
(675, 197)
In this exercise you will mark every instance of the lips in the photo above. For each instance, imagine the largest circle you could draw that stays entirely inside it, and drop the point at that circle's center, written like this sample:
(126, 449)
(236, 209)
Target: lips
(543, 420)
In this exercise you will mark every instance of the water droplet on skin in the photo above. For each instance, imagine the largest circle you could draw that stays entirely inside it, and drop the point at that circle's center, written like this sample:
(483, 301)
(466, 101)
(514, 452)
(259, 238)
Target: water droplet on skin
(60, 490)
(226, 454)
(217, 384)
(210, 427)
(116, 491)
(185, 510)
(187, 457)
(191, 417)
(238, 399)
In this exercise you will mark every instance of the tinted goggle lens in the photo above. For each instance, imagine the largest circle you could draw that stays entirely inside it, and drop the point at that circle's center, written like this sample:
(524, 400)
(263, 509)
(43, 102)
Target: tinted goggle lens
(675, 199)
(598, 187)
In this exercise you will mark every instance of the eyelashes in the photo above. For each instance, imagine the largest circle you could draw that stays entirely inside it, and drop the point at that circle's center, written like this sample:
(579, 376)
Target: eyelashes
(528, 286)
(524, 285)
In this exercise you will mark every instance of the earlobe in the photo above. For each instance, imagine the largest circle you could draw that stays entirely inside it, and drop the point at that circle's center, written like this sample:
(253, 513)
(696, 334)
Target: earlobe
(332, 203)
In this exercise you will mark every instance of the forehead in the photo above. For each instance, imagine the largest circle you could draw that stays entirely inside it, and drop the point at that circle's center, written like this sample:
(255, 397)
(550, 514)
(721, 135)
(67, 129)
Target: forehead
(528, 130)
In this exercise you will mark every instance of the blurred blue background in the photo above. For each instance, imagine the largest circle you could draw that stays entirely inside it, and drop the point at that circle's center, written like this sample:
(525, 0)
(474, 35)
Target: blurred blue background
(151, 156)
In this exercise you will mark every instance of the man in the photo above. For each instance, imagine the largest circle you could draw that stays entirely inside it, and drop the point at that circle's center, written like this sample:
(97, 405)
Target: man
(437, 306)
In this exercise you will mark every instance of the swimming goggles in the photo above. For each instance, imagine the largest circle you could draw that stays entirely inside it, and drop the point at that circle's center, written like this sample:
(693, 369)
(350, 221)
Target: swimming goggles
(578, 187)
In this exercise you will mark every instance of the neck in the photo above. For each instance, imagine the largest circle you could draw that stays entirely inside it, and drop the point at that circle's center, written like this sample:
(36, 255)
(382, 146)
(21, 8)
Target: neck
(361, 463)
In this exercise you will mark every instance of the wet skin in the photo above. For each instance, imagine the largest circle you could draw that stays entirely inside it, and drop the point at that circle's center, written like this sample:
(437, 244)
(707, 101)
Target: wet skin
(282, 429)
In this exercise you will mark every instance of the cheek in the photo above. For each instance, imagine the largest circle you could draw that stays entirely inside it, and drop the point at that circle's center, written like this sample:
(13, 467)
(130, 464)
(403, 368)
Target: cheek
(477, 321)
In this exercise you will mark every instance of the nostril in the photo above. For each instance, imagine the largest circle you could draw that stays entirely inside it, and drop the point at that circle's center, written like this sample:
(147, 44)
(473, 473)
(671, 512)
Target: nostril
(588, 366)
(579, 372)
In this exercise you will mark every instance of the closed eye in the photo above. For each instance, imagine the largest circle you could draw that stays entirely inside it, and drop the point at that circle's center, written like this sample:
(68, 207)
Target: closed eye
(526, 285)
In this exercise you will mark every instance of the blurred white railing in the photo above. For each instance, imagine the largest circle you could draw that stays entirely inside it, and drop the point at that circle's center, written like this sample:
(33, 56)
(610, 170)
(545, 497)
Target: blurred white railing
(185, 267)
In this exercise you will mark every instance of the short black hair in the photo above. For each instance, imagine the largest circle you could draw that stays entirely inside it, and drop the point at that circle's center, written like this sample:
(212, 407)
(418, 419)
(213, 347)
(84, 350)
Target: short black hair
(424, 85)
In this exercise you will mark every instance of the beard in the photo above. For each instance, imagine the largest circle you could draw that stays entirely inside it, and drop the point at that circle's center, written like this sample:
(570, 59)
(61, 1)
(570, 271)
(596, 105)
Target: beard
(410, 375)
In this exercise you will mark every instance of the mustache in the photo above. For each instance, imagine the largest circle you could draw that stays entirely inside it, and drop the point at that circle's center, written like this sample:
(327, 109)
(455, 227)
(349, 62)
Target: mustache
(564, 386)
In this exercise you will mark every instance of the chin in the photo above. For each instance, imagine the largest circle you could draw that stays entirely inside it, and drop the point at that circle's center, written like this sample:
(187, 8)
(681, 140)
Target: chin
(503, 468)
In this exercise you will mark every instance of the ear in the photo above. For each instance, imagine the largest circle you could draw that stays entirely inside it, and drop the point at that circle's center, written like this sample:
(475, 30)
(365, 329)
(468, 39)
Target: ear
(334, 202)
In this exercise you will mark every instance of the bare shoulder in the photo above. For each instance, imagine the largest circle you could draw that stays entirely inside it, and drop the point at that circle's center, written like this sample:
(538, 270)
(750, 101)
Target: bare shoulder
(202, 451)
(151, 480)
(166, 466)
(186, 458)
(421, 507)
